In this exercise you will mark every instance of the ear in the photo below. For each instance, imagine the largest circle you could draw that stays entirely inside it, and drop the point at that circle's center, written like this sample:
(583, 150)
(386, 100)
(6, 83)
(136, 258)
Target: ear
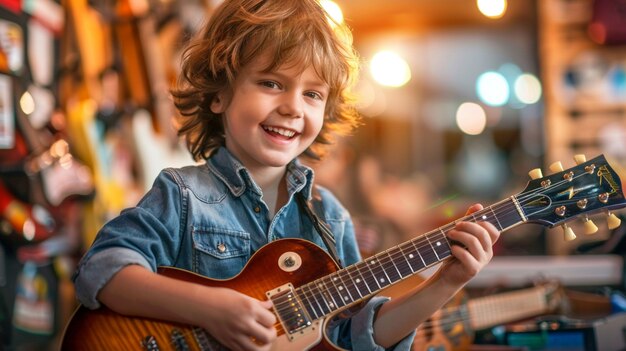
(218, 104)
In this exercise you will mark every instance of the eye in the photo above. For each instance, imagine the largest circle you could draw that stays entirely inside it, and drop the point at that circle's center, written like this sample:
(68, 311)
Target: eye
(314, 95)
(270, 84)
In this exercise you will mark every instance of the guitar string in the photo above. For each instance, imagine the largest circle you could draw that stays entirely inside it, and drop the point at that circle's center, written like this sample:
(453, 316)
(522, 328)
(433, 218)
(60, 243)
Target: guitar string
(507, 209)
(446, 319)
(281, 307)
(416, 243)
(358, 267)
(388, 258)
(381, 259)
(436, 235)
(188, 332)
(448, 312)
(281, 310)
(377, 269)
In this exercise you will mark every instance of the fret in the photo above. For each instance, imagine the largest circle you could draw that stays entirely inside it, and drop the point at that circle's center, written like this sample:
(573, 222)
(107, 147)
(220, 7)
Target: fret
(376, 269)
(412, 257)
(318, 309)
(306, 302)
(416, 247)
(401, 263)
(353, 289)
(432, 248)
(308, 305)
(426, 251)
(502, 215)
(393, 261)
(360, 280)
(371, 277)
(332, 292)
(318, 290)
(476, 220)
(507, 306)
(510, 214)
(342, 290)
(377, 272)
(499, 226)
(442, 245)
(390, 267)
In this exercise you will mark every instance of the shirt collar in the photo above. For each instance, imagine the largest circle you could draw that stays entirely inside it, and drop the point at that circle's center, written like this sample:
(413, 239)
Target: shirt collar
(236, 177)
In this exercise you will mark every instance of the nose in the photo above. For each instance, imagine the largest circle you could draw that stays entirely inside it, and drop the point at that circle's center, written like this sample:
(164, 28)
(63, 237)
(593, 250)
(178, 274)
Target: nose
(291, 105)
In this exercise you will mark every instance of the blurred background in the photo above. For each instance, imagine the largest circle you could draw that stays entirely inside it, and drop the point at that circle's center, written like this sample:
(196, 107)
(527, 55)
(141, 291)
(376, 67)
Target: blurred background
(460, 100)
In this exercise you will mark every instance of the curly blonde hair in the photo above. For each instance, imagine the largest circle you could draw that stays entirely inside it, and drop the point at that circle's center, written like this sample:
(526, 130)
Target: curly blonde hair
(297, 31)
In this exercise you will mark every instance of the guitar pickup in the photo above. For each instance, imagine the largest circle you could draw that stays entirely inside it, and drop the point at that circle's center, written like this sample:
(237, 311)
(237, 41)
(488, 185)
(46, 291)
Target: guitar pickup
(289, 310)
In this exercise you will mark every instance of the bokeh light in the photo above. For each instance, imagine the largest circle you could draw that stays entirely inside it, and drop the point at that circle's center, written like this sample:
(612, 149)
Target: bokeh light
(471, 118)
(389, 69)
(492, 8)
(492, 88)
(333, 10)
(527, 88)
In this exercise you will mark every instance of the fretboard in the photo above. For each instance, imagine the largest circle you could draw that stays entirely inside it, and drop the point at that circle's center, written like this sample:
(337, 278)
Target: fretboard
(354, 283)
(489, 311)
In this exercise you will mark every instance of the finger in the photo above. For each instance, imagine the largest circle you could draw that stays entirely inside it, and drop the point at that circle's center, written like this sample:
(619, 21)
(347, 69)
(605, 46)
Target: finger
(478, 231)
(265, 316)
(469, 263)
(473, 208)
(470, 243)
(267, 304)
(491, 229)
(262, 335)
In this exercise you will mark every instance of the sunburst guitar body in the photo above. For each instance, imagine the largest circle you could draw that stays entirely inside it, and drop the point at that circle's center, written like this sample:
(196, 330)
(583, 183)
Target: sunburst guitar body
(271, 273)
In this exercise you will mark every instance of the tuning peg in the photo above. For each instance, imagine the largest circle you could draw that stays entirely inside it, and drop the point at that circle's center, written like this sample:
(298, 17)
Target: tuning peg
(535, 173)
(613, 221)
(568, 233)
(556, 167)
(580, 158)
(590, 227)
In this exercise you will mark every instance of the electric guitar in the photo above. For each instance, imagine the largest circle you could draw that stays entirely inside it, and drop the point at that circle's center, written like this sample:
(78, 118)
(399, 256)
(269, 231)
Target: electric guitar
(454, 325)
(308, 290)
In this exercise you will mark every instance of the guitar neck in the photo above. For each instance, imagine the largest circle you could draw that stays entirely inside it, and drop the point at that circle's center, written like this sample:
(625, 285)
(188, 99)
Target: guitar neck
(489, 311)
(357, 282)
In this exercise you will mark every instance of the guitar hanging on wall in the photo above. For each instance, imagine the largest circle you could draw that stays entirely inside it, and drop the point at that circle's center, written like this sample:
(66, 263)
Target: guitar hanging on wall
(453, 327)
(306, 299)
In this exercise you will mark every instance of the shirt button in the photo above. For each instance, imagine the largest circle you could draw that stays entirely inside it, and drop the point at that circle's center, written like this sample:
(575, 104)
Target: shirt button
(221, 247)
(257, 209)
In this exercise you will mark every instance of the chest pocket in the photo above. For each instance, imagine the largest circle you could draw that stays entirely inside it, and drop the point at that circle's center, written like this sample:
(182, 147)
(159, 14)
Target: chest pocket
(219, 253)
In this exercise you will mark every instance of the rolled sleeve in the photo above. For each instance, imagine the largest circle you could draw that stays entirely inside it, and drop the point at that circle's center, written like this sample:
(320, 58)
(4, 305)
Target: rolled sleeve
(362, 328)
(357, 333)
(94, 272)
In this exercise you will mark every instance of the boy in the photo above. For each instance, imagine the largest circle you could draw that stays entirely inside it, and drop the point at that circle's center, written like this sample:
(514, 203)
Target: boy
(265, 82)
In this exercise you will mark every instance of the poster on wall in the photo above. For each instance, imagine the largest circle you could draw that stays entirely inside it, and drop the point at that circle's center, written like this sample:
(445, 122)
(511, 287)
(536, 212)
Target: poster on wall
(11, 47)
(7, 126)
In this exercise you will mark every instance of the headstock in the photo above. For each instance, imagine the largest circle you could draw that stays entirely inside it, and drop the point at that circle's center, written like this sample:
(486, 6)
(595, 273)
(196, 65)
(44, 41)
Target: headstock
(589, 187)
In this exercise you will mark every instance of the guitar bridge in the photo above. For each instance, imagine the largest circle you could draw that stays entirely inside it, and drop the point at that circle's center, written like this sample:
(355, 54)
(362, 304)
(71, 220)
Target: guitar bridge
(289, 310)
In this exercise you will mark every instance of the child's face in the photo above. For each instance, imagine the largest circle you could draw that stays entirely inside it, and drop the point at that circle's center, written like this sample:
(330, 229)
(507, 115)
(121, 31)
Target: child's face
(271, 118)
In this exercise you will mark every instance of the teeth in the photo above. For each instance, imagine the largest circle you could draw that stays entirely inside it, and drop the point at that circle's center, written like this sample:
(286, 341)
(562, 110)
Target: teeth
(283, 132)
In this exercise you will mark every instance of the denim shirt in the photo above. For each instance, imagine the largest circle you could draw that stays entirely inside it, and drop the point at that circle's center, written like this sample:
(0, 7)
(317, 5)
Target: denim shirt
(210, 219)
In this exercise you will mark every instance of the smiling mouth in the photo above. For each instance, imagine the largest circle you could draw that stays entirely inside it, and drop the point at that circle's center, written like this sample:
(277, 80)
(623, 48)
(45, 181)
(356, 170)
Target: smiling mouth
(285, 133)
